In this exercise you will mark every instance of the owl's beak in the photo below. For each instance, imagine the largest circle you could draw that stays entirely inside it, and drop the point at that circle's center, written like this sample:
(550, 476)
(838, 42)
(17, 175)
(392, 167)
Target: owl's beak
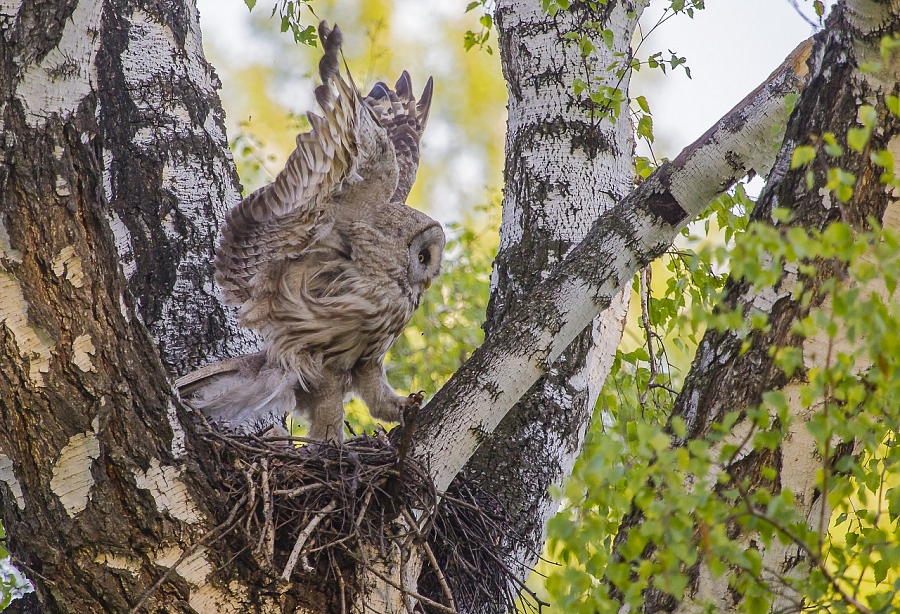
(427, 284)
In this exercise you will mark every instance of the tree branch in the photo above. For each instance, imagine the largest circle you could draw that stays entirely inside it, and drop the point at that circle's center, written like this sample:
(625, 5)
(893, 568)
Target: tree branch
(639, 229)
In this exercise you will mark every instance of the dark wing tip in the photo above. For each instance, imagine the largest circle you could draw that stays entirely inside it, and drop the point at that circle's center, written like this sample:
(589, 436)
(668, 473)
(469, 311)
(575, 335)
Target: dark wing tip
(380, 91)
(423, 108)
(331, 44)
(403, 87)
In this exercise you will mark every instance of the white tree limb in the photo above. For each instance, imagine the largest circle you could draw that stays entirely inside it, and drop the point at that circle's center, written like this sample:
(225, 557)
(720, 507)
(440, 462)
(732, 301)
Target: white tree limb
(637, 230)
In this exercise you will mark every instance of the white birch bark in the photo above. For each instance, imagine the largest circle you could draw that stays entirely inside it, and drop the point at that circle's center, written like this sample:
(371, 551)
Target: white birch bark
(630, 235)
(108, 114)
(168, 179)
(564, 168)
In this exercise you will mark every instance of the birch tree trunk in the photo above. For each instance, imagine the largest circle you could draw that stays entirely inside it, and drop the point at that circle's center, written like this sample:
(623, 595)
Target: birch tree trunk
(566, 164)
(114, 176)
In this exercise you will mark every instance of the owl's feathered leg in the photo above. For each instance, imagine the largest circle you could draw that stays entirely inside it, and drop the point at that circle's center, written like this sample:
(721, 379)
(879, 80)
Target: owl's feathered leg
(324, 406)
(371, 385)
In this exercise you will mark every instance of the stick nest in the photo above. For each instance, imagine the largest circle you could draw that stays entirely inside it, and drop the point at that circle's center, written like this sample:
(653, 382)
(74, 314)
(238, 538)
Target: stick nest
(323, 512)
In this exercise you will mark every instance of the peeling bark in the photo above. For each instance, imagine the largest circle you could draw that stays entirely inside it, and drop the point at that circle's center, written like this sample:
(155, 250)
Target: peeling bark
(99, 476)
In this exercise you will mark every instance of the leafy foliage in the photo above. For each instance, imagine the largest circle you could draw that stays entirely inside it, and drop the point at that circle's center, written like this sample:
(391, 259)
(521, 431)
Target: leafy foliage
(13, 584)
(289, 15)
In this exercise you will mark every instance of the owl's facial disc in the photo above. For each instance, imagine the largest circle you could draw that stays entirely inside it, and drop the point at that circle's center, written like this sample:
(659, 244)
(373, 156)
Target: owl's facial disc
(425, 258)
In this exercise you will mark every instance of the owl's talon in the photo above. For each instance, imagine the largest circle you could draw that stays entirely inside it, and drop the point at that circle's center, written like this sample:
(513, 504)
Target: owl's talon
(417, 398)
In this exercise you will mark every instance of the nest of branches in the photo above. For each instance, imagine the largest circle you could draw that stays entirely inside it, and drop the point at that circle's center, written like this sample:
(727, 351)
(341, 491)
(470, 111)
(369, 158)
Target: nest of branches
(330, 510)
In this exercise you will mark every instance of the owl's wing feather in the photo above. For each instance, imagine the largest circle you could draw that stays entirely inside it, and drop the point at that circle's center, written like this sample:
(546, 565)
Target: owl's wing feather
(283, 219)
(404, 121)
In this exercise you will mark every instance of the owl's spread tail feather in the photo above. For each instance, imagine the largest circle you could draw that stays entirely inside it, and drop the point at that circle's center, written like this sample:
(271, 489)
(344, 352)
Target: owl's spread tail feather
(248, 398)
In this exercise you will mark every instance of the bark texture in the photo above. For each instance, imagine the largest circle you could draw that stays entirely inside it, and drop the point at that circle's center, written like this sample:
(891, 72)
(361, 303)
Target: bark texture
(168, 176)
(105, 110)
(626, 238)
(726, 377)
(113, 178)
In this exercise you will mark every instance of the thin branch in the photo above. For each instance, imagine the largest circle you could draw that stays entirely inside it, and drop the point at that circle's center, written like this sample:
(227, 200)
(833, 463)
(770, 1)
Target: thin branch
(293, 492)
(813, 557)
(340, 579)
(430, 603)
(304, 535)
(815, 26)
(431, 558)
(645, 276)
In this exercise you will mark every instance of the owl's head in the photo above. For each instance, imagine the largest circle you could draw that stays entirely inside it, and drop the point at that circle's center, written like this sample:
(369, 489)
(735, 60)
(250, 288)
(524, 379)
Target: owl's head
(425, 251)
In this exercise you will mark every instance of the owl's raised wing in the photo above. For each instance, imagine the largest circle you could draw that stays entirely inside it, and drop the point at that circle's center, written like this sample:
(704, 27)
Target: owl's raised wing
(404, 120)
(349, 151)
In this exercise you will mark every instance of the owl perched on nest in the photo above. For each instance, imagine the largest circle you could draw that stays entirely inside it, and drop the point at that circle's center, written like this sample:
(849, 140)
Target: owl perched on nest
(328, 263)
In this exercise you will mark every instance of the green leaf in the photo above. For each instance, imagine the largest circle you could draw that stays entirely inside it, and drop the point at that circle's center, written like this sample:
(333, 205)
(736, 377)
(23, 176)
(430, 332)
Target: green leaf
(880, 569)
(857, 138)
(645, 128)
(884, 159)
(250, 4)
(893, 104)
(802, 155)
(608, 38)
(790, 102)
(831, 146)
(868, 116)
(643, 104)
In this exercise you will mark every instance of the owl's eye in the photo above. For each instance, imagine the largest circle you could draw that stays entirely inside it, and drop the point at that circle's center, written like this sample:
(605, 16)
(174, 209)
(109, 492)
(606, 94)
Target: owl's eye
(423, 257)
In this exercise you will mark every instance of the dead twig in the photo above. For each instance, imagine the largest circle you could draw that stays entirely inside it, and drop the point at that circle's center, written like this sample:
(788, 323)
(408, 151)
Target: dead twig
(301, 539)
(434, 564)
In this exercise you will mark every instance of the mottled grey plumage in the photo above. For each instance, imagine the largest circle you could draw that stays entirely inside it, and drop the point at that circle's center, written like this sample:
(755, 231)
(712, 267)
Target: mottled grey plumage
(328, 263)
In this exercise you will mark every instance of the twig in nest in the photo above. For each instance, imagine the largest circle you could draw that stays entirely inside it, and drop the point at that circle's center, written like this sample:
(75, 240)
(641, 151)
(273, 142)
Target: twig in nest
(362, 509)
(293, 492)
(304, 535)
(409, 593)
(266, 543)
(340, 579)
(437, 568)
(251, 494)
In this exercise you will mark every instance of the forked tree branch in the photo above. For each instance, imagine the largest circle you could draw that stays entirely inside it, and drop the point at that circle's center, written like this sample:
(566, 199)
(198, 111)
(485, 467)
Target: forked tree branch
(622, 241)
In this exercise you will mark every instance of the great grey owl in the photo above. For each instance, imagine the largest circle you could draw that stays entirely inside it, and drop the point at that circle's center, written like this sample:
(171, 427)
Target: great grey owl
(328, 263)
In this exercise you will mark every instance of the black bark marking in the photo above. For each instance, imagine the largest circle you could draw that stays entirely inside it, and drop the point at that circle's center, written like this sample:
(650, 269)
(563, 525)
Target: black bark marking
(666, 207)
